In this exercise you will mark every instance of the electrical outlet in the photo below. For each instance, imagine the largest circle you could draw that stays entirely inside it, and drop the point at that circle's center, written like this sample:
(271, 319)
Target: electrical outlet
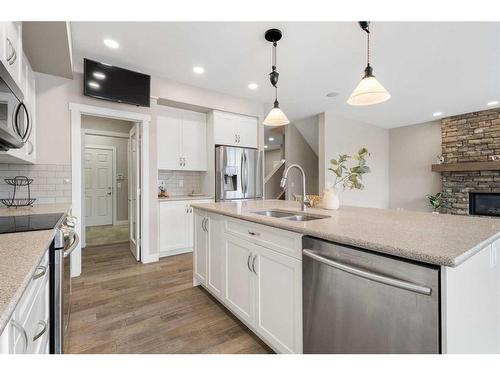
(181, 183)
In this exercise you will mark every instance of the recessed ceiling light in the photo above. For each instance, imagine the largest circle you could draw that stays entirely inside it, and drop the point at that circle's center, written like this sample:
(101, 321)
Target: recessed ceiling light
(94, 85)
(199, 70)
(253, 86)
(436, 114)
(493, 102)
(270, 139)
(266, 146)
(99, 75)
(332, 94)
(111, 43)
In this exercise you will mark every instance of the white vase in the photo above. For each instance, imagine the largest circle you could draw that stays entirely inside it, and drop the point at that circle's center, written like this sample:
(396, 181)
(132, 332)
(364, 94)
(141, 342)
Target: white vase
(331, 199)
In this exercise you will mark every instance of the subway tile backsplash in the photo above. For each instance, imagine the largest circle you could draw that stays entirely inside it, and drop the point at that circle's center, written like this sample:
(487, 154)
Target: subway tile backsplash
(51, 183)
(191, 181)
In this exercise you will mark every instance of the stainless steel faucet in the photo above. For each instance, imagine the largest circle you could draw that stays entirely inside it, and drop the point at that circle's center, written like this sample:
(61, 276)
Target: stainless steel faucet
(305, 202)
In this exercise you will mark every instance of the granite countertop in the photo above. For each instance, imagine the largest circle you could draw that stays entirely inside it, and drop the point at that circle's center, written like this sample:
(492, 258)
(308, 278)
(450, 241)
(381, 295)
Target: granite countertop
(183, 198)
(444, 240)
(20, 254)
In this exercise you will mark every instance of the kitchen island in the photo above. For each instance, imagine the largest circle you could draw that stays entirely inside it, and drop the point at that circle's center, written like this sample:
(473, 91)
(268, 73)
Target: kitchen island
(463, 249)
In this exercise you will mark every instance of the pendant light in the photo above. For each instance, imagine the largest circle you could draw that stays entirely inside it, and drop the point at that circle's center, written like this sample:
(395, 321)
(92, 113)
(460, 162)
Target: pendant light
(369, 91)
(276, 117)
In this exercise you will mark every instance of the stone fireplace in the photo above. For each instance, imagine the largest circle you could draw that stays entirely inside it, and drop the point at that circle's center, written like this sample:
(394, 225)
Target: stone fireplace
(468, 143)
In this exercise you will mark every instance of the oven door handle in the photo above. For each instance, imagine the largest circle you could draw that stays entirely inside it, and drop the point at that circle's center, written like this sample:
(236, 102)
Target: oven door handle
(369, 275)
(73, 246)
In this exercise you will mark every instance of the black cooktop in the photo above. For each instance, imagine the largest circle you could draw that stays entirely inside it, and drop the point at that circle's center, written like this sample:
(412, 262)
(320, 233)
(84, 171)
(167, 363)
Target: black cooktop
(29, 223)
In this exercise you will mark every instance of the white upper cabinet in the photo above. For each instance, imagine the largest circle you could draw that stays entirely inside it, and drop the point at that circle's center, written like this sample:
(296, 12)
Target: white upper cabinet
(11, 49)
(235, 130)
(182, 140)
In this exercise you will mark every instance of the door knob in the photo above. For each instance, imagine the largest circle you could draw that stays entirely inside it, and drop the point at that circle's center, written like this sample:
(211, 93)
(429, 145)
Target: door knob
(109, 193)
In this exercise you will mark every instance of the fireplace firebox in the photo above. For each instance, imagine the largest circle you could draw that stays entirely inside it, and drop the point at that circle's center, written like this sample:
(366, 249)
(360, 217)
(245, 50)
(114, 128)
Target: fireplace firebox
(484, 203)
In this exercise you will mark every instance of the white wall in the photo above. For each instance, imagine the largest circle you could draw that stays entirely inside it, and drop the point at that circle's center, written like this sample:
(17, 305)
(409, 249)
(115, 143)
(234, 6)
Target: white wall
(341, 135)
(298, 151)
(271, 158)
(412, 151)
(53, 120)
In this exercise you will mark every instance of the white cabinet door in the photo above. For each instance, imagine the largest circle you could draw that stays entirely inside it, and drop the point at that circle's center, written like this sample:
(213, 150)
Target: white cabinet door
(169, 141)
(173, 226)
(278, 293)
(12, 52)
(30, 146)
(225, 132)
(239, 280)
(247, 131)
(182, 140)
(194, 141)
(200, 248)
(215, 282)
(235, 130)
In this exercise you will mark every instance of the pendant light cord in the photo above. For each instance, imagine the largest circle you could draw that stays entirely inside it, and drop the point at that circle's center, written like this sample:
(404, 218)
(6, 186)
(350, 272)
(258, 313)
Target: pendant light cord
(274, 58)
(368, 48)
(274, 63)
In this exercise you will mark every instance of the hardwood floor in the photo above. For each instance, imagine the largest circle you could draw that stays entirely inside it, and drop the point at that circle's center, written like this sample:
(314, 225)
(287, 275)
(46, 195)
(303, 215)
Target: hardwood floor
(121, 306)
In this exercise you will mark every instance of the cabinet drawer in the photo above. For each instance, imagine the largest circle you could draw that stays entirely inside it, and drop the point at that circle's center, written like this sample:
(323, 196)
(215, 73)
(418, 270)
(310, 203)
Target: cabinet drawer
(36, 325)
(40, 278)
(285, 242)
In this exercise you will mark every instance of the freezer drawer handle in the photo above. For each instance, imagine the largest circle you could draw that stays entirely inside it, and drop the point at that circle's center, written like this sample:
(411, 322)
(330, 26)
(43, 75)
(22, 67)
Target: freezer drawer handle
(369, 275)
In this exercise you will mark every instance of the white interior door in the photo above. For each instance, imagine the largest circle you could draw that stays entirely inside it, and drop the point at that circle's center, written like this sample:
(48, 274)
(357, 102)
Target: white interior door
(134, 189)
(98, 186)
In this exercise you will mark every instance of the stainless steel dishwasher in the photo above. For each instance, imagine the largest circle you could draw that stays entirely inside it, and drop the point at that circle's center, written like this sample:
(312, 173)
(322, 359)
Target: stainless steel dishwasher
(357, 301)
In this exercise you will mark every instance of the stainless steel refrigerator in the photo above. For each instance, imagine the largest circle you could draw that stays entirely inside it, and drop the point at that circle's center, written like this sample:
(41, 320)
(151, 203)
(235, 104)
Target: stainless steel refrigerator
(238, 173)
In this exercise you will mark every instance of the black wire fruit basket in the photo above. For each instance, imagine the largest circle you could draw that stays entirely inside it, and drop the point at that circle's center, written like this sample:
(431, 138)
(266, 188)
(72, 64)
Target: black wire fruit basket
(19, 181)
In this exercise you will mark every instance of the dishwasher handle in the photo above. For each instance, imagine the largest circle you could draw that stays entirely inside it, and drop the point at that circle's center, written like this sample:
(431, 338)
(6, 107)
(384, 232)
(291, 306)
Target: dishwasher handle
(369, 275)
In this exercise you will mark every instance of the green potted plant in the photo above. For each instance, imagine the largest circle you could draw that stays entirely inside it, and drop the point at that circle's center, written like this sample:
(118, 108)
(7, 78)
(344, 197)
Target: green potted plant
(349, 177)
(435, 201)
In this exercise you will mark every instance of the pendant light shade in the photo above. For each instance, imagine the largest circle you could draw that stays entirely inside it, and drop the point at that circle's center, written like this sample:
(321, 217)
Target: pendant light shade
(276, 117)
(369, 91)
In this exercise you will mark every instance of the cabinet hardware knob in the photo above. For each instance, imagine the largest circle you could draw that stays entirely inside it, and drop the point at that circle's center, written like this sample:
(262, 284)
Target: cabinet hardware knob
(253, 264)
(253, 233)
(44, 328)
(248, 262)
(42, 272)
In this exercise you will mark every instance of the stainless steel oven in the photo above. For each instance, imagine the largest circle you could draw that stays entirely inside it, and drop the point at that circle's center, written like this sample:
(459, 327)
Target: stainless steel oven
(15, 121)
(65, 241)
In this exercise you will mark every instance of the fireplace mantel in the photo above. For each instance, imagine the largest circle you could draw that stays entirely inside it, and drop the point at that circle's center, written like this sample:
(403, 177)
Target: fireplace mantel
(467, 166)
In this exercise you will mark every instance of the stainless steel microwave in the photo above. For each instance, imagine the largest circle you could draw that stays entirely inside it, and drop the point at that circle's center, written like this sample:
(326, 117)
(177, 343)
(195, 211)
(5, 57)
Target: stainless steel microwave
(15, 124)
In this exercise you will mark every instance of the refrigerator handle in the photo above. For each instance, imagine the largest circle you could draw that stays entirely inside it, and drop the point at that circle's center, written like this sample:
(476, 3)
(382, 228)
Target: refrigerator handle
(242, 174)
(245, 163)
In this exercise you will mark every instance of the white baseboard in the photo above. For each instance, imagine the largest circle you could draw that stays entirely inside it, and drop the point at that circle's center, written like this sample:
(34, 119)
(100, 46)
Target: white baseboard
(150, 258)
(168, 253)
(120, 222)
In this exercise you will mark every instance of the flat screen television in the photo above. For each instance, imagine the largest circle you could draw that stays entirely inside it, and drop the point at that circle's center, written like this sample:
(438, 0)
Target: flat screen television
(108, 82)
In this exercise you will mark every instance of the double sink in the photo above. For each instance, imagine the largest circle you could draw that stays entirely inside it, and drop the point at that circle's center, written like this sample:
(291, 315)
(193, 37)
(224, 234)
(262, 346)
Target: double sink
(291, 215)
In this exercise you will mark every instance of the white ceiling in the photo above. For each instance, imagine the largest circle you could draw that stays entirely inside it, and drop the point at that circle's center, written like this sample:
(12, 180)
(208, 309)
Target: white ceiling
(428, 67)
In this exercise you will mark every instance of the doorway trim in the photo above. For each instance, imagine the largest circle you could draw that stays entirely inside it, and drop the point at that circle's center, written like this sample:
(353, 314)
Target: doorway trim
(83, 236)
(76, 112)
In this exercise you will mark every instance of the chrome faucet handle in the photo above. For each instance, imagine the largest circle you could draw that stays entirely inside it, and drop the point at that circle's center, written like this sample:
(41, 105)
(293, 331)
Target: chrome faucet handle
(306, 201)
